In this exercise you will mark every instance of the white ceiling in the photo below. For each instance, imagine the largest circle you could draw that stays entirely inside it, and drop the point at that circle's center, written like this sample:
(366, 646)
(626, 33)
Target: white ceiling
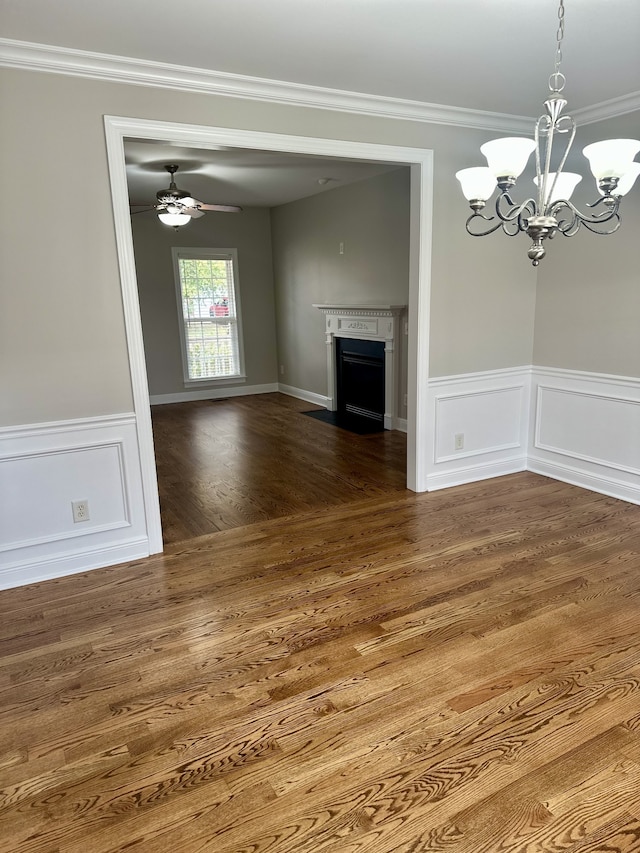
(236, 175)
(491, 55)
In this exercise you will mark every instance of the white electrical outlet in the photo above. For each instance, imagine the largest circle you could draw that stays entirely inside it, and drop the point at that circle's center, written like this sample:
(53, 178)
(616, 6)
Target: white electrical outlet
(282, 370)
(341, 247)
(458, 440)
(80, 510)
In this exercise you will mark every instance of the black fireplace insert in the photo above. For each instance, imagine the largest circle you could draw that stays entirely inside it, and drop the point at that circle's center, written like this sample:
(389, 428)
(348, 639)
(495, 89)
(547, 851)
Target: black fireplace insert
(360, 379)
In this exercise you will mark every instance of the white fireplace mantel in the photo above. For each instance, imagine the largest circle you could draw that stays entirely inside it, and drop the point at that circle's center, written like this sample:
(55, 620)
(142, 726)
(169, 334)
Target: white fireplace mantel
(365, 322)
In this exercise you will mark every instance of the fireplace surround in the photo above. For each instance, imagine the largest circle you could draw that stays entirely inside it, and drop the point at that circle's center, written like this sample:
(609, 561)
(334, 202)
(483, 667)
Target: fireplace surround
(366, 323)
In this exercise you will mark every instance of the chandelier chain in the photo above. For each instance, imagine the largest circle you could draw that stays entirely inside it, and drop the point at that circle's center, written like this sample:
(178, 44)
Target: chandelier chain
(557, 79)
(560, 35)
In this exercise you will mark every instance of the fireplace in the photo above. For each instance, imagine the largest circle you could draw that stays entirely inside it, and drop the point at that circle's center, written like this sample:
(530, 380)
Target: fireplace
(364, 324)
(360, 378)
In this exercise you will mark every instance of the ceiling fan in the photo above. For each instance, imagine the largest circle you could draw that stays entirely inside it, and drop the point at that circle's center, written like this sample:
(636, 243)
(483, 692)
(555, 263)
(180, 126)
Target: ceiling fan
(177, 207)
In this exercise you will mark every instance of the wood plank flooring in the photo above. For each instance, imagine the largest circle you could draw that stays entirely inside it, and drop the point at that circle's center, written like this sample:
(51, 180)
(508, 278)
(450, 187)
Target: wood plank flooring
(226, 463)
(456, 671)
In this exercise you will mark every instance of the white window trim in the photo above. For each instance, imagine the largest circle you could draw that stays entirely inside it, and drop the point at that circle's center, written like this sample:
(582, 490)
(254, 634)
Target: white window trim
(190, 252)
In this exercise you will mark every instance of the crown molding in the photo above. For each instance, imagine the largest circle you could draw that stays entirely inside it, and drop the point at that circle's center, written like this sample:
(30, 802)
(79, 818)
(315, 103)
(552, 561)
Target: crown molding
(30, 56)
(608, 109)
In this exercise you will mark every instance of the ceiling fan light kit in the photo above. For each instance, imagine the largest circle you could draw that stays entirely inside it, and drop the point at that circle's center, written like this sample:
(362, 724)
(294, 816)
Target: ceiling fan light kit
(174, 219)
(550, 211)
(176, 207)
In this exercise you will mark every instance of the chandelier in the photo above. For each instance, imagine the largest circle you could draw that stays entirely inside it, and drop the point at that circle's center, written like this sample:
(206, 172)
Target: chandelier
(550, 211)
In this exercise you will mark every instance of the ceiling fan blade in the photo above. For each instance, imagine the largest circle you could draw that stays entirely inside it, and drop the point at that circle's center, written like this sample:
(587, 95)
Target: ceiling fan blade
(223, 208)
(193, 212)
(145, 210)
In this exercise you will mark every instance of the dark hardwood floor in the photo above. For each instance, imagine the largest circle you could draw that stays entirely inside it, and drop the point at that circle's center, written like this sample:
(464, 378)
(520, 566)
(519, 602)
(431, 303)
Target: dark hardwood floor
(456, 671)
(227, 463)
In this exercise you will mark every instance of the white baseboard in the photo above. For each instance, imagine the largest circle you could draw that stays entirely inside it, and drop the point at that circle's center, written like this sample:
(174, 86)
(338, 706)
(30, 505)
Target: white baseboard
(61, 565)
(300, 394)
(43, 468)
(400, 424)
(586, 479)
(473, 473)
(213, 393)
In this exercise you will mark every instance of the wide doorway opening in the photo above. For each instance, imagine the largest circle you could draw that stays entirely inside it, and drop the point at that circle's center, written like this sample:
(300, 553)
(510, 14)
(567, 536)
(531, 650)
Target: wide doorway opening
(118, 130)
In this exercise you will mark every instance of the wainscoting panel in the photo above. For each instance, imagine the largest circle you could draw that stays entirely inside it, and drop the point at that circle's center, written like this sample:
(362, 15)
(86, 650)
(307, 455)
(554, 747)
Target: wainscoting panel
(585, 430)
(43, 469)
(480, 424)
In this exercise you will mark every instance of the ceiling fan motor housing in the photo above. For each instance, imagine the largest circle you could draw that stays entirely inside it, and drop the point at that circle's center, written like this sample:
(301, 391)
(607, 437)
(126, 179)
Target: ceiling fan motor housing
(172, 194)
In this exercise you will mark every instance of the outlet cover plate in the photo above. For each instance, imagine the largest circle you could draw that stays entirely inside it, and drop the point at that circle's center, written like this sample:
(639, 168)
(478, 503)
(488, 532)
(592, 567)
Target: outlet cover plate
(80, 510)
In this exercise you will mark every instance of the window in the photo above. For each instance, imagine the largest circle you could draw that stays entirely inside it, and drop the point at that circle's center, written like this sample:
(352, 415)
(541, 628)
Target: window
(207, 290)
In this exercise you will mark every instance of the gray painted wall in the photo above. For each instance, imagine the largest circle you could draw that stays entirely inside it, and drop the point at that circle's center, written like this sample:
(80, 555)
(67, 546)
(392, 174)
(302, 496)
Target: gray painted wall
(249, 232)
(371, 219)
(63, 350)
(588, 301)
(484, 288)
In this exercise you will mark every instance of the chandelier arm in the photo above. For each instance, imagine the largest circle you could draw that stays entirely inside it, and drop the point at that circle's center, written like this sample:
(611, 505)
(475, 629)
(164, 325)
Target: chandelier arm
(486, 219)
(581, 219)
(588, 225)
(515, 212)
(608, 201)
(530, 208)
(568, 227)
(593, 223)
(512, 228)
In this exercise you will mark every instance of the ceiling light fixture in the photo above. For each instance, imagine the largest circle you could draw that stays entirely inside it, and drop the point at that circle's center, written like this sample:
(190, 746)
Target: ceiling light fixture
(174, 219)
(612, 164)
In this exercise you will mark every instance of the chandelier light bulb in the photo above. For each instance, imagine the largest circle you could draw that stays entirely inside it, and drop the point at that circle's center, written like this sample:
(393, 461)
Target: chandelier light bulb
(611, 158)
(508, 157)
(564, 186)
(174, 218)
(478, 183)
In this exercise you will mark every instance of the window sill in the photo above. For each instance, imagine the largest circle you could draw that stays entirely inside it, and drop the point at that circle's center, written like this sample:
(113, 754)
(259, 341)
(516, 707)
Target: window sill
(227, 380)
